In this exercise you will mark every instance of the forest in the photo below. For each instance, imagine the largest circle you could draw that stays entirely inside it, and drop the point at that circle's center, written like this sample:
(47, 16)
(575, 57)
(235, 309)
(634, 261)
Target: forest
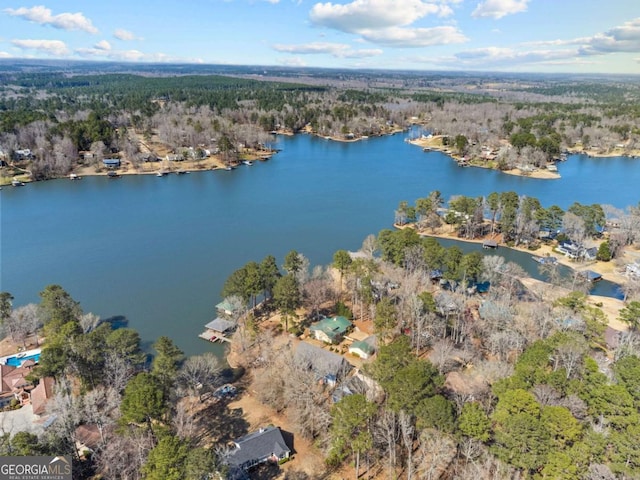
(517, 381)
(50, 118)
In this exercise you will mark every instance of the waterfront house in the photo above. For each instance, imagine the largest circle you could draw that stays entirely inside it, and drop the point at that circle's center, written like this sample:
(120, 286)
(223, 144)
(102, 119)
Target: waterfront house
(331, 330)
(218, 329)
(265, 445)
(111, 162)
(364, 348)
(225, 308)
(328, 366)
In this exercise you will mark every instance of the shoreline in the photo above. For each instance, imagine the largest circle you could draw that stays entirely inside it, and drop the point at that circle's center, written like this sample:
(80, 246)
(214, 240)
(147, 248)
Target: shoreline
(153, 168)
(611, 306)
(606, 269)
(432, 144)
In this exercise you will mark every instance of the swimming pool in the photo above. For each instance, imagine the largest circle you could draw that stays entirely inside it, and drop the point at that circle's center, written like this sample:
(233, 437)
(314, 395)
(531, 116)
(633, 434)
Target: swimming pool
(17, 361)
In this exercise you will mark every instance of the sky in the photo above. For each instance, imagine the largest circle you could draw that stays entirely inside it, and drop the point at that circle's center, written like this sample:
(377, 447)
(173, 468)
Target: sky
(574, 36)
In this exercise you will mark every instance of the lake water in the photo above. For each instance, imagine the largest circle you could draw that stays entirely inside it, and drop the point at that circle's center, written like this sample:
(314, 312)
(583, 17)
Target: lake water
(157, 250)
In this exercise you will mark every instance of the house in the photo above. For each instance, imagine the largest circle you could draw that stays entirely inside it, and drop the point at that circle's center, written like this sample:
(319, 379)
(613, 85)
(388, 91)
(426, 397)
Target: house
(265, 445)
(111, 162)
(14, 385)
(328, 366)
(88, 438)
(445, 303)
(633, 269)
(364, 348)
(41, 394)
(569, 249)
(22, 154)
(173, 157)
(331, 330)
(589, 254)
(351, 386)
(225, 308)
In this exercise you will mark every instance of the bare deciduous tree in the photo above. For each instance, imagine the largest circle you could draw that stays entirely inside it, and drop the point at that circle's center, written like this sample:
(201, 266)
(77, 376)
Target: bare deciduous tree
(199, 374)
(435, 453)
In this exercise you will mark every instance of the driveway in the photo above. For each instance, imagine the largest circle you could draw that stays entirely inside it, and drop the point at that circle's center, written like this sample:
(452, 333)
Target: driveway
(21, 420)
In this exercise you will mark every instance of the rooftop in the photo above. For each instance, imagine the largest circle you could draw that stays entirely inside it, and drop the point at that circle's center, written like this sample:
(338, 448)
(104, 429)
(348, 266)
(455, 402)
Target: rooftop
(220, 325)
(333, 326)
(321, 361)
(256, 446)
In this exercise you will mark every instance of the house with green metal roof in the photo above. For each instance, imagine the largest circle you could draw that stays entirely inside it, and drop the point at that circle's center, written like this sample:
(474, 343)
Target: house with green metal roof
(331, 330)
(225, 308)
(364, 348)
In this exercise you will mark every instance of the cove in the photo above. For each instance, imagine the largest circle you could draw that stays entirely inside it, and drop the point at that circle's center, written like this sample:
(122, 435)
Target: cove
(157, 251)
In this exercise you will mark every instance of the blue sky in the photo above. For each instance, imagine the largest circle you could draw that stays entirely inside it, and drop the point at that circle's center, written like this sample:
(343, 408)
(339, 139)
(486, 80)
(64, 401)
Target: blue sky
(503, 35)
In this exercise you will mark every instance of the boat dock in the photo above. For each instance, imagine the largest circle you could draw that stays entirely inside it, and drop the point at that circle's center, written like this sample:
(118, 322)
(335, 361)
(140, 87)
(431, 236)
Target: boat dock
(218, 330)
(211, 336)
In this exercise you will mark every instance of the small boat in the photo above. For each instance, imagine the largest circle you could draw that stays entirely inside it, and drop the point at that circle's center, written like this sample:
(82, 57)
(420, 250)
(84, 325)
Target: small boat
(228, 167)
(17, 183)
(181, 172)
(74, 176)
(113, 175)
(161, 174)
(247, 162)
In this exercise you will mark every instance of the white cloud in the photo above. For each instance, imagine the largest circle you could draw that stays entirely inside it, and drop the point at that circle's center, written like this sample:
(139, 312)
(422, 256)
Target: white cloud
(499, 8)
(338, 50)
(43, 16)
(5, 55)
(387, 22)
(125, 35)
(567, 52)
(50, 47)
(415, 37)
(625, 38)
(103, 45)
(370, 14)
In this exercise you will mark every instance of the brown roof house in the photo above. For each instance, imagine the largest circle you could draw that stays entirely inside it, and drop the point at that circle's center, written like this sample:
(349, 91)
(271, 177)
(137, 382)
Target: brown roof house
(13, 383)
(41, 394)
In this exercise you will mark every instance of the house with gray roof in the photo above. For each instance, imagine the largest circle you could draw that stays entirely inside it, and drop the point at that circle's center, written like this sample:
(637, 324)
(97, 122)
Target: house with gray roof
(265, 445)
(328, 366)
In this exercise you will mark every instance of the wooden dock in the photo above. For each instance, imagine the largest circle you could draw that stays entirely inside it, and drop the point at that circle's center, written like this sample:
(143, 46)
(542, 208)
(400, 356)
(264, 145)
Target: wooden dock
(211, 336)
